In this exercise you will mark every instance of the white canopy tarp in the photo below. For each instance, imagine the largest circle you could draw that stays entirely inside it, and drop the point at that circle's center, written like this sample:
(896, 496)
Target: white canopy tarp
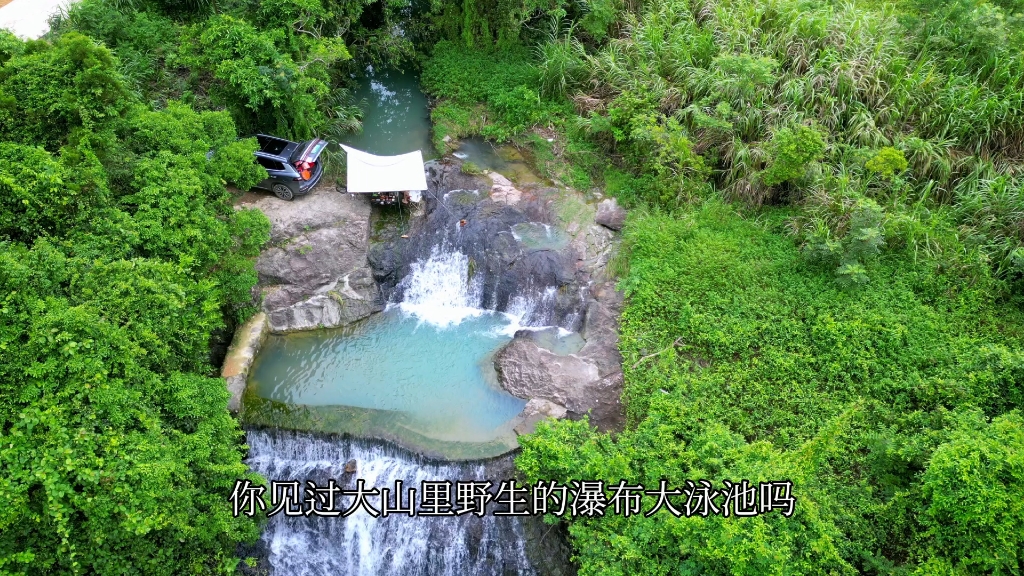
(369, 173)
(29, 18)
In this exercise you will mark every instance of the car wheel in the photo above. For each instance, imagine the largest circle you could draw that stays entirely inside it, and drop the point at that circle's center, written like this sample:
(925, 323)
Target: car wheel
(283, 192)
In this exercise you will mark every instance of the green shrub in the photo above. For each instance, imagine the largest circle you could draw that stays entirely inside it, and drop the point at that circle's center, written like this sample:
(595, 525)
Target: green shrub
(791, 151)
(974, 493)
(470, 168)
(887, 162)
(743, 361)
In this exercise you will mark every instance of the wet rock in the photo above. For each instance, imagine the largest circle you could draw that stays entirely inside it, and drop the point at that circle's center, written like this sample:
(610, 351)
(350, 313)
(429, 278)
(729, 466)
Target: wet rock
(347, 299)
(588, 382)
(601, 329)
(553, 339)
(316, 273)
(610, 214)
(461, 215)
(243, 350)
(548, 548)
(503, 191)
(528, 371)
(350, 466)
(594, 247)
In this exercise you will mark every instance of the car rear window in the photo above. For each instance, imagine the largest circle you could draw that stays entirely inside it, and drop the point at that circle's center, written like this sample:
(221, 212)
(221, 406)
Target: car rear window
(272, 145)
(270, 164)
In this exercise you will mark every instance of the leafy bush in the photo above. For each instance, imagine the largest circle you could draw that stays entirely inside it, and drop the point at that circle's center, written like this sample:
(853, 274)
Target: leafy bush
(868, 400)
(887, 163)
(49, 94)
(974, 493)
(120, 256)
(505, 83)
(791, 151)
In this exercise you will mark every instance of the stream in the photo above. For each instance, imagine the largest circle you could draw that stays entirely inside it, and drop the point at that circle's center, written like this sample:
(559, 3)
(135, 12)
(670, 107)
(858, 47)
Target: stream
(416, 379)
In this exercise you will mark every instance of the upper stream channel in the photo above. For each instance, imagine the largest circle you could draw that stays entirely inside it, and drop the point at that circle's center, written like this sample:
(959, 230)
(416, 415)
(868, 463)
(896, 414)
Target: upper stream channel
(409, 393)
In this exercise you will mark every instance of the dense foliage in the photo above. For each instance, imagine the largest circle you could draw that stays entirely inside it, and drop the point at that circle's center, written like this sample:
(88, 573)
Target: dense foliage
(831, 106)
(280, 66)
(893, 410)
(824, 262)
(120, 257)
(124, 266)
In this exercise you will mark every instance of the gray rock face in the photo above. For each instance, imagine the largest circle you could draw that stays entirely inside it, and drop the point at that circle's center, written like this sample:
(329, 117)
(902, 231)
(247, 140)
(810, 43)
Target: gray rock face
(591, 380)
(528, 371)
(601, 329)
(316, 273)
(462, 213)
(610, 214)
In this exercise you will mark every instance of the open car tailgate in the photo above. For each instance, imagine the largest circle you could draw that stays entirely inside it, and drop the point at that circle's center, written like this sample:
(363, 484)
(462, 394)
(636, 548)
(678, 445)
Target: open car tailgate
(312, 151)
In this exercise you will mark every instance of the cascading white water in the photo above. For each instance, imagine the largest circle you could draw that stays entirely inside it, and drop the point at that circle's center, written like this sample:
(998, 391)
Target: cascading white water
(441, 292)
(438, 290)
(360, 544)
(531, 311)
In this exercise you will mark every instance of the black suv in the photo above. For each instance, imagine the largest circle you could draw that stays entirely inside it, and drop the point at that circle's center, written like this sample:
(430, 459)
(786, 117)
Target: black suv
(292, 168)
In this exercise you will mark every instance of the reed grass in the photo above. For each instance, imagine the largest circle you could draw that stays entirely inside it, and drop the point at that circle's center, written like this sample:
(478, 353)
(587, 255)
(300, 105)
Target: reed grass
(941, 82)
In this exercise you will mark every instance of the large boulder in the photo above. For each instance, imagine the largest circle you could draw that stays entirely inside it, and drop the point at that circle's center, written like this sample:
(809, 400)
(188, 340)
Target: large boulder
(347, 299)
(316, 273)
(530, 372)
(610, 214)
(322, 208)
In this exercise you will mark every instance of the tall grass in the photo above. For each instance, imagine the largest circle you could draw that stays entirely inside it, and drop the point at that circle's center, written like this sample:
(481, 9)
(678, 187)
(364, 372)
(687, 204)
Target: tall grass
(942, 82)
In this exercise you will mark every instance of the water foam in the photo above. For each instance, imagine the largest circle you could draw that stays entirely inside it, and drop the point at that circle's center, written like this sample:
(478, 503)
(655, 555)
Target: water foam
(439, 291)
(364, 545)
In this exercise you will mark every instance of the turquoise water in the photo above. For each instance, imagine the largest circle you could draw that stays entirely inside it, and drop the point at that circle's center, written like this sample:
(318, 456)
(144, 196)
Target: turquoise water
(396, 117)
(440, 380)
(538, 236)
(559, 341)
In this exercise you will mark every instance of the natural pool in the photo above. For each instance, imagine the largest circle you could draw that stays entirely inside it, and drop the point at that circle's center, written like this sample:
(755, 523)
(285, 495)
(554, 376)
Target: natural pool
(420, 374)
(503, 159)
(538, 236)
(440, 379)
(396, 116)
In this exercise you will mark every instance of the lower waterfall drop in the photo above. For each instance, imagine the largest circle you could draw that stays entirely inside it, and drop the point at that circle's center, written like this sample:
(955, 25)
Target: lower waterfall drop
(398, 545)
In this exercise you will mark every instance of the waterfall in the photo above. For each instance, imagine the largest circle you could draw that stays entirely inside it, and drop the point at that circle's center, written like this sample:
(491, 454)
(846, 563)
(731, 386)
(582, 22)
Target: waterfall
(438, 290)
(531, 310)
(442, 291)
(397, 545)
